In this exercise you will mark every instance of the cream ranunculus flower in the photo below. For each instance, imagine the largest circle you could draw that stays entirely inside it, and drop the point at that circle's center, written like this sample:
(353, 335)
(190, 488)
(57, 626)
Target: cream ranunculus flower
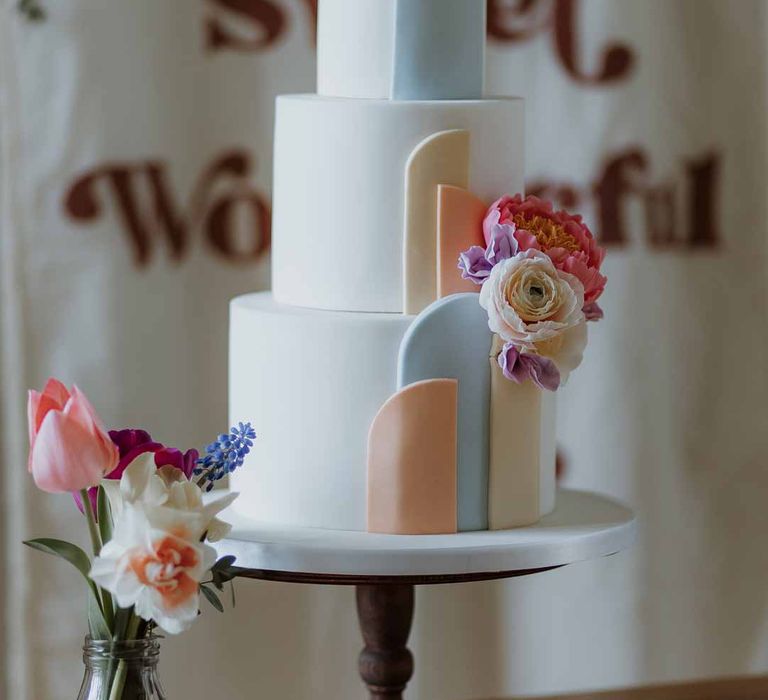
(537, 308)
(529, 301)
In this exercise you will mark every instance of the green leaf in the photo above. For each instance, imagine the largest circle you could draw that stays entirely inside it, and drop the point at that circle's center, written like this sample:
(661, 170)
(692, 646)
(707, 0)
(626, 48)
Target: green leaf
(96, 623)
(224, 563)
(79, 559)
(212, 598)
(122, 621)
(223, 571)
(66, 550)
(104, 515)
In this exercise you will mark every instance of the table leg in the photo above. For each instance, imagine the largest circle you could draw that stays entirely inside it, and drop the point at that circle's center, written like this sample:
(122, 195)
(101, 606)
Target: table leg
(385, 612)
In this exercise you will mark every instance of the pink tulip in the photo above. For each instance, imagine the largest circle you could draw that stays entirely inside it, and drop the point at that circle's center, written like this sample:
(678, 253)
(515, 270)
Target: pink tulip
(69, 449)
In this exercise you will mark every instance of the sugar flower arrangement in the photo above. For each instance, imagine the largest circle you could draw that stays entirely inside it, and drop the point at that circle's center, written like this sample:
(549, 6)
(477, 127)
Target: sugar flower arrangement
(143, 505)
(540, 282)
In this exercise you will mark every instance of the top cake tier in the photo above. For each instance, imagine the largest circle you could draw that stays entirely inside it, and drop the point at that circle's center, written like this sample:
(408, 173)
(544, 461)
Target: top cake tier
(401, 49)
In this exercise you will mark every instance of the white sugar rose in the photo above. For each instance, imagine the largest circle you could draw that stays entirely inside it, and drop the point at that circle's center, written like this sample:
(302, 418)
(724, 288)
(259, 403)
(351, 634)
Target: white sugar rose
(537, 308)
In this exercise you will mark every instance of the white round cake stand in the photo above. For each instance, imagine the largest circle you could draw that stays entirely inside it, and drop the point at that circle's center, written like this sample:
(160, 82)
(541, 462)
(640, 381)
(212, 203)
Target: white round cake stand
(385, 568)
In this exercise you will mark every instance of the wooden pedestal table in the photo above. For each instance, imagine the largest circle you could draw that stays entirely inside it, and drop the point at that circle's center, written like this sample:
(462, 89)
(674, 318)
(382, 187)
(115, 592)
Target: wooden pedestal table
(385, 568)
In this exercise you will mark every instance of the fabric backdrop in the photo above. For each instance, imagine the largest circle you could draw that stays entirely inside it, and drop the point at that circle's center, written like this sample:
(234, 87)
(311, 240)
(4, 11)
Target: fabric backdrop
(136, 168)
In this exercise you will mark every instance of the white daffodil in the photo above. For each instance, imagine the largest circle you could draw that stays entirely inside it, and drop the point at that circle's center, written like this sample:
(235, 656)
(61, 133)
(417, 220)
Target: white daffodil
(139, 485)
(187, 496)
(144, 485)
(155, 562)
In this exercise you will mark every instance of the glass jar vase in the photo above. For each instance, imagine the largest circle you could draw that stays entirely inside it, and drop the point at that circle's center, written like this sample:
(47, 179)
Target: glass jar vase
(124, 670)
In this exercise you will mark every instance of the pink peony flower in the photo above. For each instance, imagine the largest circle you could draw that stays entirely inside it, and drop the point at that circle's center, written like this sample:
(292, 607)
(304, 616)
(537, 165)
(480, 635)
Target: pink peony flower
(69, 449)
(564, 237)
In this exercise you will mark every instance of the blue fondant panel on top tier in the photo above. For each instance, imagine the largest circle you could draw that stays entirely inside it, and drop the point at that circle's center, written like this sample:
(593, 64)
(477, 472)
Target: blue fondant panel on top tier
(439, 50)
(450, 340)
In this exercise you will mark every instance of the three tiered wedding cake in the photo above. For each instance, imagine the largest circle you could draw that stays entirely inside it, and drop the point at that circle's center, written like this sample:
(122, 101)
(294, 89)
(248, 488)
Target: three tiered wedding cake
(387, 394)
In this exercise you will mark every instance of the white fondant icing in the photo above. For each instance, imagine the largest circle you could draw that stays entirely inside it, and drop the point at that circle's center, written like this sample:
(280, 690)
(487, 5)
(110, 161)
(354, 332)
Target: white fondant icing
(310, 382)
(355, 46)
(339, 191)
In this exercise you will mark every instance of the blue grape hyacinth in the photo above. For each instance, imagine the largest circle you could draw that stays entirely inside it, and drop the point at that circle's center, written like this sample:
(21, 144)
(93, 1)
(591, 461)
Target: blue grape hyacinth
(225, 455)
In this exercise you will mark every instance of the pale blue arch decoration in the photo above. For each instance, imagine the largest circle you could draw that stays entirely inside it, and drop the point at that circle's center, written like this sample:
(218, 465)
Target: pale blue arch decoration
(450, 340)
(439, 50)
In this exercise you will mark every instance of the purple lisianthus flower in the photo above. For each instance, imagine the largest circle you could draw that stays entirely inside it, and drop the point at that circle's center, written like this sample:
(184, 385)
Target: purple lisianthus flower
(503, 244)
(183, 461)
(473, 265)
(592, 311)
(129, 439)
(132, 443)
(476, 263)
(519, 367)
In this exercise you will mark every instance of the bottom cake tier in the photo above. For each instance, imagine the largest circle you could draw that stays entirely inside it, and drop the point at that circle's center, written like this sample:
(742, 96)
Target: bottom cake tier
(313, 382)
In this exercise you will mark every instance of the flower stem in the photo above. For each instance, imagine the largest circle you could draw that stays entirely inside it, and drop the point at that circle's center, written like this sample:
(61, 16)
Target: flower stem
(109, 608)
(93, 529)
(133, 627)
(119, 683)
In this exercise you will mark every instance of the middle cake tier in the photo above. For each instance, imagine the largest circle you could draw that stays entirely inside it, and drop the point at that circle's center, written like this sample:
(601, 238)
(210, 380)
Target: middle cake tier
(353, 183)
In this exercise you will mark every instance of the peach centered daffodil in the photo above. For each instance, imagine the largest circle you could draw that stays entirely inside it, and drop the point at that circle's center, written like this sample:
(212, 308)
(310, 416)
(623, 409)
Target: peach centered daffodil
(156, 560)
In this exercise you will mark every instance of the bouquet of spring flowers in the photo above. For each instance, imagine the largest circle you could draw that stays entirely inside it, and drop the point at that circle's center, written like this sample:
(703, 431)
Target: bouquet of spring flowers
(147, 519)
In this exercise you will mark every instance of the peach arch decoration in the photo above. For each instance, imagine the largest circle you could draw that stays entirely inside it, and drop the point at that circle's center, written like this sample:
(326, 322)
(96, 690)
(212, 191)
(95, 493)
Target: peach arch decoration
(442, 158)
(459, 226)
(412, 461)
